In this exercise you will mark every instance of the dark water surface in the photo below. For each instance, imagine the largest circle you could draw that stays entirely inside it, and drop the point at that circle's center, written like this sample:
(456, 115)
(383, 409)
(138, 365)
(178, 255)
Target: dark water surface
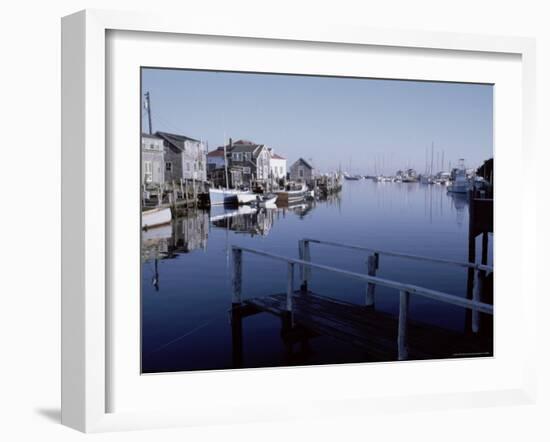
(186, 271)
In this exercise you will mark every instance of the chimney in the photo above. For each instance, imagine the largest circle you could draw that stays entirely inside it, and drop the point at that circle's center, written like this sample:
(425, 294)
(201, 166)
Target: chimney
(230, 143)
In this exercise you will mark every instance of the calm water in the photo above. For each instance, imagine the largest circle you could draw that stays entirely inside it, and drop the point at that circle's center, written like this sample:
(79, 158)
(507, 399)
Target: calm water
(186, 291)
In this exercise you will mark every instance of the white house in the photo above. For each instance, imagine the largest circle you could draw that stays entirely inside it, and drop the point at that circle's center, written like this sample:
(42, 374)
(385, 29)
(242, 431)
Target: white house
(152, 160)
(278, 165)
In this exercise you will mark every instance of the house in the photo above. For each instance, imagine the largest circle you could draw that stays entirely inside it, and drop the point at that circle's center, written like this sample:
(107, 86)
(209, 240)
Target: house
(253, 159)
(152, 160)
(302, 171)
(277, 165)
(184, 157)
(215, 159)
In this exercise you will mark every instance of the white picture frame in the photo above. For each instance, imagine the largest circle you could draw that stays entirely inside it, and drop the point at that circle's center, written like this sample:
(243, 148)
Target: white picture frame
(85, 236)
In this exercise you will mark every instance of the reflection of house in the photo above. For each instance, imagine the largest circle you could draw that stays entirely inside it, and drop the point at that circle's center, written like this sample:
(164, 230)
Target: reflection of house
(301, 171)
(184, 158)
(277, 165)
(152, 160)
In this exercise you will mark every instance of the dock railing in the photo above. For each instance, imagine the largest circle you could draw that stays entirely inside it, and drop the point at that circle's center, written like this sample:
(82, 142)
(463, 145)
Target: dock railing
(373, 264)
(405, 290)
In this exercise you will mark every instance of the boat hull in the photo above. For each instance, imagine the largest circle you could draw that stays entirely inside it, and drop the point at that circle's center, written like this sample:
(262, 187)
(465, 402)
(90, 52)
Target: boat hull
(226, 196)
(155, 217)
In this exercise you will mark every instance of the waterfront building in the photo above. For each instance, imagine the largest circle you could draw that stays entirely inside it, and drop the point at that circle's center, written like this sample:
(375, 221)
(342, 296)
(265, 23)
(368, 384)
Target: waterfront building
(302, 171)
(152, 160)
(277, 165)
(252, 159)
(184, 158)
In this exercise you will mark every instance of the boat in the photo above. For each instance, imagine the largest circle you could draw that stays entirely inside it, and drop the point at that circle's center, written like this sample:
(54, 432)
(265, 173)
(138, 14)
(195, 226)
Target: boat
(353, 177)
(228, 196)
(460, 184)
(155, 217)
(246, 197)
(292, 195)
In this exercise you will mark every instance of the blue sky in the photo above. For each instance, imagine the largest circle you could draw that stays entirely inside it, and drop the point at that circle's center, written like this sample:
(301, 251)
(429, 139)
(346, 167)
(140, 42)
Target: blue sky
(332, 121)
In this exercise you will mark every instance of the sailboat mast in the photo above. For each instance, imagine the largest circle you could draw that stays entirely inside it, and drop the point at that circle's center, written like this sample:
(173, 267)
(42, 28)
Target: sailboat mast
(225, 162)
(432, 161)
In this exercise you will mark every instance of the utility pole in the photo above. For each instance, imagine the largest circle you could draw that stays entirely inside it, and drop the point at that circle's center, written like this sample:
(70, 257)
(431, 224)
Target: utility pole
(148, 108)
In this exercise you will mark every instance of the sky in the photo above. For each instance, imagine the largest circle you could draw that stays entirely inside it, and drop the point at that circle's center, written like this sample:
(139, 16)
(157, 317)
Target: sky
(361, 125)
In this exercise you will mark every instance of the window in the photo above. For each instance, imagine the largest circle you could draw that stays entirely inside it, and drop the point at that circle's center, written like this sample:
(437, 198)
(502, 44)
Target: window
(246, 170)
(237, 156)
(301, 172)
(168, 166)
(188, 167)
(148, 171)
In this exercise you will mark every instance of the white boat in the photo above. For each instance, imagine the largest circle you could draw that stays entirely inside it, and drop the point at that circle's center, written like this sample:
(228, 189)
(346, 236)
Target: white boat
(460, 184)
(246, 198)
(155, 217)
(226, 196)
(267, 201)
(291, 196)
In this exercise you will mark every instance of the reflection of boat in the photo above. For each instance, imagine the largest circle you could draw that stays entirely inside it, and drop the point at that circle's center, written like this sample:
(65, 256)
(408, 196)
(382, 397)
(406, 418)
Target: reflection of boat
(217, 215)
(155, 217)
(291, 196)
(266, 200)
(227, 196)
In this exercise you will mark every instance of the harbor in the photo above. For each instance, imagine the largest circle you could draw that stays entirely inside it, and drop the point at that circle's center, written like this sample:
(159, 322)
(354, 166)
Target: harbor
(188, 281)
(294, 220)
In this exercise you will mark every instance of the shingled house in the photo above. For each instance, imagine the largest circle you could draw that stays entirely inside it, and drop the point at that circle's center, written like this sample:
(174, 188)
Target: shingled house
(152, 160)
(184, 157)
(252, 159)
(302, 171)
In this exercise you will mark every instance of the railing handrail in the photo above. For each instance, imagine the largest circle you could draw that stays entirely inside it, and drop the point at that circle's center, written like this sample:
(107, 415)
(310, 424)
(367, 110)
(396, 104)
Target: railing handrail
(412, 289)
(471, 265)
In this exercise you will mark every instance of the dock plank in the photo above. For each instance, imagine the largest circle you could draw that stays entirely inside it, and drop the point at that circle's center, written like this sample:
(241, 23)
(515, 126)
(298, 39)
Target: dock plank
(373, 331)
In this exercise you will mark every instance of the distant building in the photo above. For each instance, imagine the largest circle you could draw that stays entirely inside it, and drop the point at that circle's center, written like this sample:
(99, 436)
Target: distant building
(277, 164)
(184, 157)
(302, 171)
(152, 160)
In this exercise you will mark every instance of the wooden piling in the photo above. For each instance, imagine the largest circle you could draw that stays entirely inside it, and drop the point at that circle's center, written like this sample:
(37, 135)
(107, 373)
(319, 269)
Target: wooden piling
(289, 286)
(478, 288)
(402, 347)
(237, 275)
(372, 265)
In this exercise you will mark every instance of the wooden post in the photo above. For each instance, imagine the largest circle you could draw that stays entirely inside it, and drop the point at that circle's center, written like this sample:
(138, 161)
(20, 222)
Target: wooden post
(305, 255)
(290, 286)
(237, 337)
(181, 190)
(402, 348)
(478, 287)
(237, 275)
(372, 265)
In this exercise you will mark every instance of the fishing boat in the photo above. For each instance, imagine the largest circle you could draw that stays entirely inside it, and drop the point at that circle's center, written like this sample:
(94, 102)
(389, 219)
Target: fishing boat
(155, 217)
(460, 184)
(292, 195)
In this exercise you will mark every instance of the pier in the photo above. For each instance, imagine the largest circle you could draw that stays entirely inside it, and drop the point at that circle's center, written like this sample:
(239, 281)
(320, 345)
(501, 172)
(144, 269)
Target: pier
(176, 195)
(382, 336)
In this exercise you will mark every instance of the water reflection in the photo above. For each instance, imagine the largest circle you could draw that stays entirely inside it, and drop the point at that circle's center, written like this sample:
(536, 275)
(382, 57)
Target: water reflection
(188, 263)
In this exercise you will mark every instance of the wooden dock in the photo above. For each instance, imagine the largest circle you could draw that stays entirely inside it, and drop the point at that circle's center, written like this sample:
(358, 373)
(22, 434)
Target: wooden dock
(383, 337)
(373, 331)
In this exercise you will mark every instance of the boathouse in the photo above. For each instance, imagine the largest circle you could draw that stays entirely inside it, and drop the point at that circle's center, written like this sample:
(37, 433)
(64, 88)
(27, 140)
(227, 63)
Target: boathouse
(302, 171)
(184, 158)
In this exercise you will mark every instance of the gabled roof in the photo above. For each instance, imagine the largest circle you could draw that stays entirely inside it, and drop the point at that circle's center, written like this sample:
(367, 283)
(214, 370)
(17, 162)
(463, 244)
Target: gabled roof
(303, 161)
(153, 137)
(245, 146)
(277, 157)
(175, 140)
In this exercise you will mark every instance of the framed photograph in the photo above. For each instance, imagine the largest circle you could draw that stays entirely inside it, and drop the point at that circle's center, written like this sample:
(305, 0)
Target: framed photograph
(299, 222)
